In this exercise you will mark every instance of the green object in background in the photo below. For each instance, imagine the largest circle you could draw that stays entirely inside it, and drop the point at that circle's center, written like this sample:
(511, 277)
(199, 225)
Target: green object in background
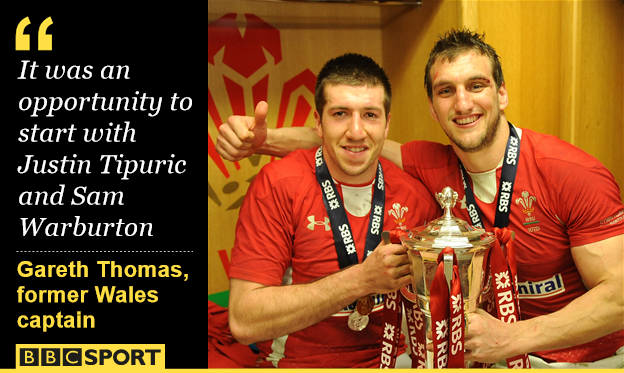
(220, 298)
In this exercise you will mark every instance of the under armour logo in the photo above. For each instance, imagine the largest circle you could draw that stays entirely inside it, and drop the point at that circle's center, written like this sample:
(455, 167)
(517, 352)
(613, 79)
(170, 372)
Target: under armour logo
(314, 223)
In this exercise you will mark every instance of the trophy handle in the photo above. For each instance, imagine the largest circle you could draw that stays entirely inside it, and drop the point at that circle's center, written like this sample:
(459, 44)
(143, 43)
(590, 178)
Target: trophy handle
(448, 270)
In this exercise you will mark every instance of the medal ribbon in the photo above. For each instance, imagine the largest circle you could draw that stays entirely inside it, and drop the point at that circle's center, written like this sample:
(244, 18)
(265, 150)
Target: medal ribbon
(414, 316)
(341, 229)
(415, 322)
(505, 187)
(447, 316)
(392, 317)
(501, 262)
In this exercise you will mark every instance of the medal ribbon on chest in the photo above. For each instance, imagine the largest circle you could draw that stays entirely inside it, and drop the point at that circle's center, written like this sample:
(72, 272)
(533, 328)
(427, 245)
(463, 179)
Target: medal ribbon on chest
(343, 236)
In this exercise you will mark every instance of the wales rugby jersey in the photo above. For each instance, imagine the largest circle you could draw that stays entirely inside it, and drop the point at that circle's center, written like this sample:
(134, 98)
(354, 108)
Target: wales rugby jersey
(562, 198)
(283, 224)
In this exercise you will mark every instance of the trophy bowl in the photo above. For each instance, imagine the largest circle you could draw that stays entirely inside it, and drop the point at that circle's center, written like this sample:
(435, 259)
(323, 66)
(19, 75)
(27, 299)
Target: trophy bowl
(425, 245)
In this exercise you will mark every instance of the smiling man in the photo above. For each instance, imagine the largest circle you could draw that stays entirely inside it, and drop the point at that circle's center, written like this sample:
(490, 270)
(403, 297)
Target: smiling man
(469, 103)
(308, 270)
(563, 205)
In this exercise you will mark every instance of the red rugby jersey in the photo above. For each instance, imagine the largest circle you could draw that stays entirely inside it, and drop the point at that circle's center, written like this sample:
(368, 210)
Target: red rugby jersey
(283, 223)
(562, 198)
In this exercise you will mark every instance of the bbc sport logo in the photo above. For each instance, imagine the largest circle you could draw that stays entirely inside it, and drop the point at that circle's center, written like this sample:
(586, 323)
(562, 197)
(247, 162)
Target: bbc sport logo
(90, 357)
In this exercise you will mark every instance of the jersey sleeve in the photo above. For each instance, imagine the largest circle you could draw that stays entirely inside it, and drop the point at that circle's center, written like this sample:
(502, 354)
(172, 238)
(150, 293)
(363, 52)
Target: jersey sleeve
(424, 160)
(589, 198)
(263, 245)
(433, 164)
(411, 156)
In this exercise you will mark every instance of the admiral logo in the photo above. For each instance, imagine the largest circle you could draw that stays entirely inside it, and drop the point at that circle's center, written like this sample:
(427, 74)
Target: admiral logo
(512, 152)
(330, 195)
(106, 357)
(541, 289)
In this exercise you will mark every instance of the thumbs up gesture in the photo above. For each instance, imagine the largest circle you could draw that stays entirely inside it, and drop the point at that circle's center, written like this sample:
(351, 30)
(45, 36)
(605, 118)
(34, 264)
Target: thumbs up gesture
(241, 136)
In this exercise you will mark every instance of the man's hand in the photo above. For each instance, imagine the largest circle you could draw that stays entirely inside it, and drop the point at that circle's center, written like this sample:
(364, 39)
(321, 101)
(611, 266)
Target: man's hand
(488, 340)
(386, 269)
(241, 136)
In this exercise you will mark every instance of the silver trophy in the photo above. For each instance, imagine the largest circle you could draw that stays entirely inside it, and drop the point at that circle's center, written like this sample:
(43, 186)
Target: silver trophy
(425, 244)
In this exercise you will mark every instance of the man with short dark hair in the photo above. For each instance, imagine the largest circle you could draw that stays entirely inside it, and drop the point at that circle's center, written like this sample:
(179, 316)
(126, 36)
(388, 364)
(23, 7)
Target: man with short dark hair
(308, 272)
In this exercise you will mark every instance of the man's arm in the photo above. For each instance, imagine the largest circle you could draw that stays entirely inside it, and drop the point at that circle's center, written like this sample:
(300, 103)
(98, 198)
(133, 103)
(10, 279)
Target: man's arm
(242, 137)
(596, 313)
(258, 312)
(392, 152)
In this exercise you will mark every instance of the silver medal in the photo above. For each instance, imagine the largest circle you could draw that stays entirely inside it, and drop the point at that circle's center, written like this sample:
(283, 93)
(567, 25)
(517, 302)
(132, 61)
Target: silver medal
(357, 322)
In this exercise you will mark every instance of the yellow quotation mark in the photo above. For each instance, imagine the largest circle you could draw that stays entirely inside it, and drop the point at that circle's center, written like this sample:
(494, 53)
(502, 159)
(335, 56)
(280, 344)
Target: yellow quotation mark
(22, 41)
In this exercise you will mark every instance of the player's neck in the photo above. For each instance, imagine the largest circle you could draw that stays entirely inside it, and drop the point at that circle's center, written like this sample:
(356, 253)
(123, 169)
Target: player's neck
(489, 157)
(343, 178)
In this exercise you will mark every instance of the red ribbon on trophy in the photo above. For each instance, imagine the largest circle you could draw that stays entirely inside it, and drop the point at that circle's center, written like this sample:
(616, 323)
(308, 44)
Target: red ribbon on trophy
(416, 327)
(413, 315)
(392, 318)
(505, 305)
(447, 316)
